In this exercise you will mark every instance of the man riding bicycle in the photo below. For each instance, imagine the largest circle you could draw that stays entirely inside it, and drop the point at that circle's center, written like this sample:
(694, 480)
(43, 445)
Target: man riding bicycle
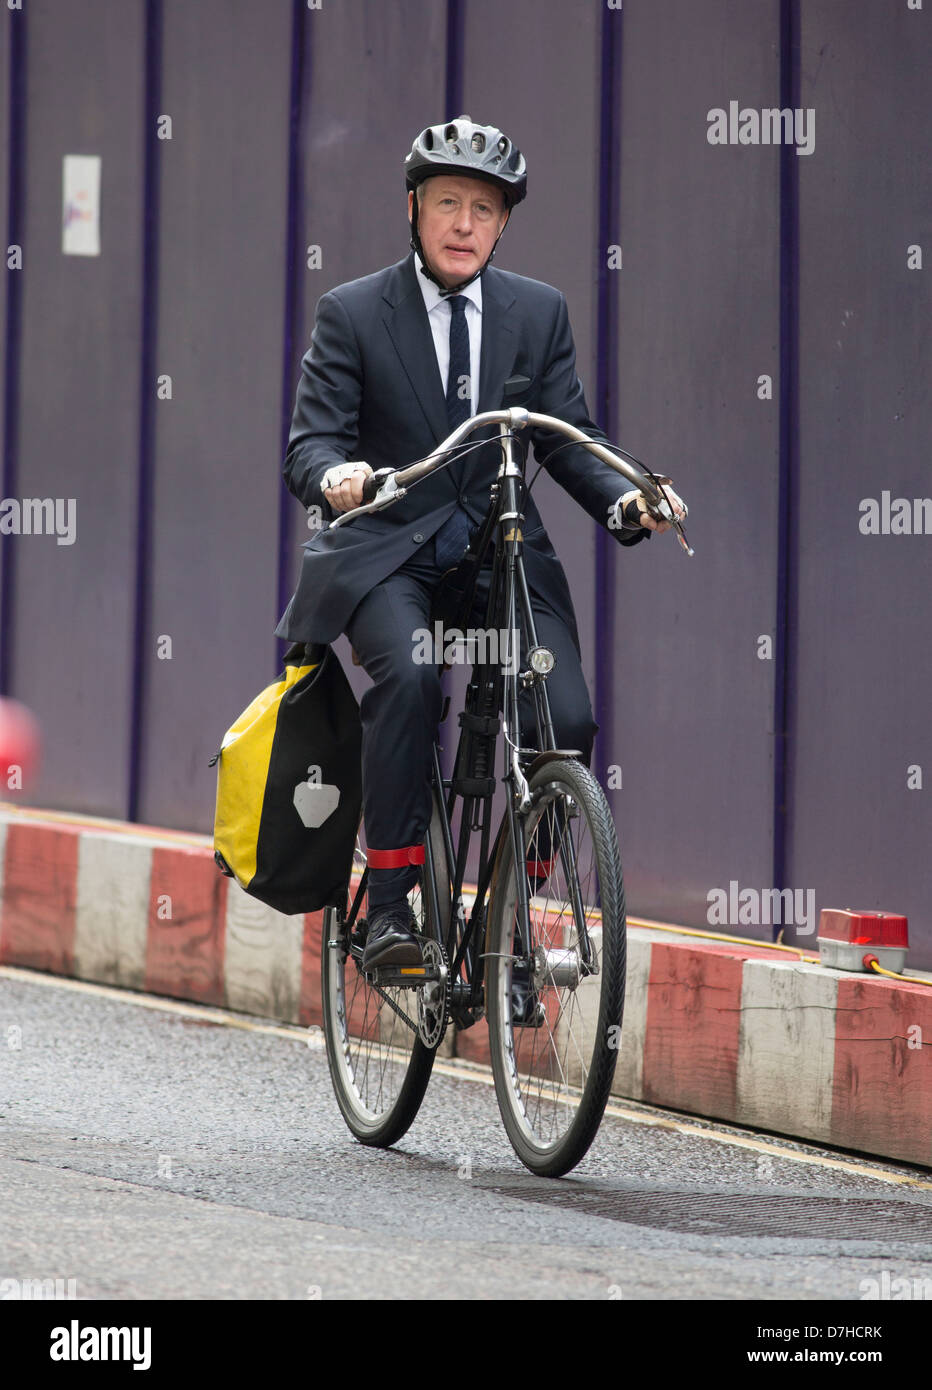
(397, 360)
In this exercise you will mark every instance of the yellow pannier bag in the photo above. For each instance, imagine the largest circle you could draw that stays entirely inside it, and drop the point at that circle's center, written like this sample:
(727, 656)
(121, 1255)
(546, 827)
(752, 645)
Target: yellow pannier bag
(289, 786)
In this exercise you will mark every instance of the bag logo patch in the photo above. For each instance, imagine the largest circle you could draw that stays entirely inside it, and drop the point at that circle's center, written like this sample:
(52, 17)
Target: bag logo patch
(315, 800)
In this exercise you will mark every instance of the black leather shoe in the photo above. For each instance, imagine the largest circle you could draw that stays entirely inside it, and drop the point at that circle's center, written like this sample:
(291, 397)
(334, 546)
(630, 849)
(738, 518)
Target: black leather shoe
(527, 1011)
(391, 940)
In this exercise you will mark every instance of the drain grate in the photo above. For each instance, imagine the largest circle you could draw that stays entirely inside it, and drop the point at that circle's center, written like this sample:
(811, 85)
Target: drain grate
(742, 1213)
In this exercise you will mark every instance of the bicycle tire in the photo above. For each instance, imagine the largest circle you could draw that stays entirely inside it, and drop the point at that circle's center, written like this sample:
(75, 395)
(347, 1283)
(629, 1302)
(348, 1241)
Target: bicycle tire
(379, 1081)
(553, 1081)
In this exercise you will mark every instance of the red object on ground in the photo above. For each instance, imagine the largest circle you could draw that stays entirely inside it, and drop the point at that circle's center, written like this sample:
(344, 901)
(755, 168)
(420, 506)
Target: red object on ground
(864, 928)
(20, 743)
(843, 934)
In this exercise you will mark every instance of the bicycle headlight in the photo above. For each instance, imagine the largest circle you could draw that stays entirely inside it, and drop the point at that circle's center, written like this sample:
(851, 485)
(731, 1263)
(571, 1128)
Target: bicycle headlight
(541, 660)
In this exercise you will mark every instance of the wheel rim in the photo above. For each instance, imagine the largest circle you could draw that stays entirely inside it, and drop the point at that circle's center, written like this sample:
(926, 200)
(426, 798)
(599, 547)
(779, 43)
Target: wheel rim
(378, 1063)
(373, 1045)
(548, 1068)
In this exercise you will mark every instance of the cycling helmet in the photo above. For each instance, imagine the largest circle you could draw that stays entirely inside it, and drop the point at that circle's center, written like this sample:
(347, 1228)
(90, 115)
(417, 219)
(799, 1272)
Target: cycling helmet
(464, 148)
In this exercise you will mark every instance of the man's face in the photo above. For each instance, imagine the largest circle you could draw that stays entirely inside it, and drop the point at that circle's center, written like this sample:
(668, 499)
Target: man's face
(459, 221)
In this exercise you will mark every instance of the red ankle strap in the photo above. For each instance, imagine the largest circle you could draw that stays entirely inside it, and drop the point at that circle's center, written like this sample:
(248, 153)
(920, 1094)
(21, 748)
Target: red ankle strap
(395, 858)
(541, 867)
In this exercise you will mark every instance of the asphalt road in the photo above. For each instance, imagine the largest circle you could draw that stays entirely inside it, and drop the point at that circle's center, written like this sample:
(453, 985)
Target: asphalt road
(153, 1152)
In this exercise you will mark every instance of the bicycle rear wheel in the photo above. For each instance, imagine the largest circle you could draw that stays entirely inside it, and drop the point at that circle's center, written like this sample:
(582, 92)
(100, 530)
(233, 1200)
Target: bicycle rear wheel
(378, 1065)
(553, 1080)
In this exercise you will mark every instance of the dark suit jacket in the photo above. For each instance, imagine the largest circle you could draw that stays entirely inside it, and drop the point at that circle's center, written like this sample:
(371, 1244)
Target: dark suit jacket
(371, 389)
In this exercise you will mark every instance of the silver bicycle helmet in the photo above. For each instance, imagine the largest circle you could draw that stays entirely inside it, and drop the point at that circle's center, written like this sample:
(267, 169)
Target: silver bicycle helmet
(476, 151)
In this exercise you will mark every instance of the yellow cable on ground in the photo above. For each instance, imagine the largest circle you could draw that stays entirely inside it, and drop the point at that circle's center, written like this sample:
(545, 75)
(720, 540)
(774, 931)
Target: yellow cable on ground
(719, 936)
(910, 979)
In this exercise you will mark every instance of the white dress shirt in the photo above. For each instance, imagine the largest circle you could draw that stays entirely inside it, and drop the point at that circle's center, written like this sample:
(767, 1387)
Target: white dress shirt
(439, 314)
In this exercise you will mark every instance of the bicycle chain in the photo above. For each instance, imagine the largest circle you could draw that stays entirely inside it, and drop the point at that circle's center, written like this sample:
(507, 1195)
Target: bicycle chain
(392, 1005)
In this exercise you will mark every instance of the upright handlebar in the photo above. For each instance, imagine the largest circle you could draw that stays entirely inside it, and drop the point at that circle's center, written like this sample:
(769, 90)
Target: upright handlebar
(387, 485)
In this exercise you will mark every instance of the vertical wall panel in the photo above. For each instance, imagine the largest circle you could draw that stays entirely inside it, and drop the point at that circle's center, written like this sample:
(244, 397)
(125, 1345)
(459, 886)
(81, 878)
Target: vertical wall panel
(7, 19)
(861, 838)
(78, 405)
(362, 111)
(552, 235)
(516, 83)
(220, 313)
(699, 324)
(12, 165)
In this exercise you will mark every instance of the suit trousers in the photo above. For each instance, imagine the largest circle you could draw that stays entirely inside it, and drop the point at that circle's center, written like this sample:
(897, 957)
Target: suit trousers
(400, 711)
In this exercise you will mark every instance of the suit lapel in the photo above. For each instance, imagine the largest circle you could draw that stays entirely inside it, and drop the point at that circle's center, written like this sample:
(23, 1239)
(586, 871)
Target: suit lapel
(406, 320)
(499, 343)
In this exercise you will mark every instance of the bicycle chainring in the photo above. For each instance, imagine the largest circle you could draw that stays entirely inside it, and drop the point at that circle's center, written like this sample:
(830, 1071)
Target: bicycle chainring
(433, 1000)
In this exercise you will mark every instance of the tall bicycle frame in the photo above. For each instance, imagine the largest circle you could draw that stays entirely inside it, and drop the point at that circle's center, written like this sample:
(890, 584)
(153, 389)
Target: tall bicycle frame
(542, 950)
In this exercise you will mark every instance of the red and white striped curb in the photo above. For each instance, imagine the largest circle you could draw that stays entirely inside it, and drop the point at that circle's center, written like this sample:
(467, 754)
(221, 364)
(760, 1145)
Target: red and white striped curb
(734, 1032)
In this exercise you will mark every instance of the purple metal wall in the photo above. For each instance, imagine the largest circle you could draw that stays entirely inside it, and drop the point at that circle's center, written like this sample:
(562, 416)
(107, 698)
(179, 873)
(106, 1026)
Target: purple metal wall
(69, 645)
(288, 128)
(863, 664)
(699, 312)
(220, 279)
(552, 235)
(358, 92)
(10, 137)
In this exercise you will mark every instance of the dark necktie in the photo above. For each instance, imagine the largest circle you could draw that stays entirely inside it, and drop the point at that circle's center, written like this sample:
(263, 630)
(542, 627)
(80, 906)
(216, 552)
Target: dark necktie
(452, 539)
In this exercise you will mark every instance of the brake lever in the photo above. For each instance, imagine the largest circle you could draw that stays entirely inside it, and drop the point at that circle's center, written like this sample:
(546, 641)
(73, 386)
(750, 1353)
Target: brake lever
(681, 537)
(379, 490)
(373, 483)
(664, 512)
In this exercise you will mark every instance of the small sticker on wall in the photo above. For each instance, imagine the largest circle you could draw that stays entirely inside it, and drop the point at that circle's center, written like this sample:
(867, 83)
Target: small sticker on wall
(81, 205)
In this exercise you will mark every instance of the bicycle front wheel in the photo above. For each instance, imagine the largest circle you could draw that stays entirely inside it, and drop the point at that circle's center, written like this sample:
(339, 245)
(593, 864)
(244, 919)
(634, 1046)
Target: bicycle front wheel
(556, 978)
(378, 1064)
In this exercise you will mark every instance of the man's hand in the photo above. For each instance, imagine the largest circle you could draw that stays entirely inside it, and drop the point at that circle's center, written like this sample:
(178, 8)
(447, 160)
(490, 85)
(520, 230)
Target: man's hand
(342, 485)
(632, 507)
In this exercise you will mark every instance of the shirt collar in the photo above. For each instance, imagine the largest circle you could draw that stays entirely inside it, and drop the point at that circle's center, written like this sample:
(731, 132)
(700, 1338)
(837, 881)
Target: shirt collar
(432, 295)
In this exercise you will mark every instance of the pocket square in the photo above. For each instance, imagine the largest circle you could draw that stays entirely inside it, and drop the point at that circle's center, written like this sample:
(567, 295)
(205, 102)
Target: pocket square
(515, 385)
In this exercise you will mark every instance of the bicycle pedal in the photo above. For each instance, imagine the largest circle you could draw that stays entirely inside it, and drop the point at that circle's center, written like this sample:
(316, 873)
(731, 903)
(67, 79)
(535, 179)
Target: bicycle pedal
(403, 976)
(464, 1018)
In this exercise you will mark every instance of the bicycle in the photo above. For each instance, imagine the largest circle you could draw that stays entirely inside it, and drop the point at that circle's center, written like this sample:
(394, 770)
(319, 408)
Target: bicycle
(540, 951)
